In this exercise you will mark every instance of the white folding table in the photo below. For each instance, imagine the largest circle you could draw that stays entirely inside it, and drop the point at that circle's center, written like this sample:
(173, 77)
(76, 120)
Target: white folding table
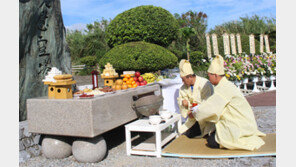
(148, 148)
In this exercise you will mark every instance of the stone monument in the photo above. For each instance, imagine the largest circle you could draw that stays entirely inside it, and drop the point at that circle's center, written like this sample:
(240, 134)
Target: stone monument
(261, 44)
(266, 44)
(42, 45)
(208, 45)
(226, 44)
(215, 44)
(252, 44)
(232, 42)
(239, 44)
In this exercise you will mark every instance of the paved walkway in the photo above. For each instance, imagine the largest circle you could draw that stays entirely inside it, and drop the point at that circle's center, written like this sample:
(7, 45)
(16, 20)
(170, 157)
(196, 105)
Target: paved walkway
(262, 99)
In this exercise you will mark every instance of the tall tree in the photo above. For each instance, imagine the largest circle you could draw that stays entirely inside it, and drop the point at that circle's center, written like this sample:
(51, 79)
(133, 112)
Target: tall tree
(186, 33)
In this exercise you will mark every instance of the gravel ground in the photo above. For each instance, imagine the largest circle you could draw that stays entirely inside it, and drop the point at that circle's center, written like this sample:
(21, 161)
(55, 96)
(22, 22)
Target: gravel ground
(266, 119)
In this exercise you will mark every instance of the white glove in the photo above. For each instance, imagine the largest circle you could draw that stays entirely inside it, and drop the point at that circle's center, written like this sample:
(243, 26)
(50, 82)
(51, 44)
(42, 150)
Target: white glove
(194, 109)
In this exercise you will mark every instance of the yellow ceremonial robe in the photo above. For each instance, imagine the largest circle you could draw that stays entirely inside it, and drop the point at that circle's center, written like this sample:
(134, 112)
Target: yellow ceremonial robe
(202, 89)
(235, 123)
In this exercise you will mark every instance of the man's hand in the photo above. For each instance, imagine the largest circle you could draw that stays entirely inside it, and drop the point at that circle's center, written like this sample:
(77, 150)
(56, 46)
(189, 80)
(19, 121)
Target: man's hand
(185, 103)
(190, 115)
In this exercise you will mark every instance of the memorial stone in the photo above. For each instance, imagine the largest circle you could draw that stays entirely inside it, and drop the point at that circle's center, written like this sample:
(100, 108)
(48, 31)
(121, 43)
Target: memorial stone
(261, 43)
(239, 43)
(232, 41)
(266, 44)
(208, 46)
(215, 44)
(252, 44)
(226, 44)
(42, 45)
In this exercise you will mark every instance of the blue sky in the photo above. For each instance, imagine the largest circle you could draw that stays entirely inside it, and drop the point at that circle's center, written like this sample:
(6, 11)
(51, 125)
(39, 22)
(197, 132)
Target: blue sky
(78, 13)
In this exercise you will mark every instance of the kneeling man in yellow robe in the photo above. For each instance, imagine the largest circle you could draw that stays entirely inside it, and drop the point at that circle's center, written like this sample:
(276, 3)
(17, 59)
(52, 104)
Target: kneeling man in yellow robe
(195, 89)
(228, 109)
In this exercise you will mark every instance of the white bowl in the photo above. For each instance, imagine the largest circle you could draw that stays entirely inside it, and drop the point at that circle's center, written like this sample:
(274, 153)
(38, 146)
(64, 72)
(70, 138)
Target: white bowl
(166, 115)
(154, 119)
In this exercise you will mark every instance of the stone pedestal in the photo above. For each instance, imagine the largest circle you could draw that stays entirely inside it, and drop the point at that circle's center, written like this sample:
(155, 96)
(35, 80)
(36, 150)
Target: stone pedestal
(89, 150)
(56, 147)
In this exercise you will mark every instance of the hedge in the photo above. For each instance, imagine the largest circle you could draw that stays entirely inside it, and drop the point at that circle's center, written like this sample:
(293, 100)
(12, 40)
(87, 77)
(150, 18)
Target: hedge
(139, 56)
(143, 23)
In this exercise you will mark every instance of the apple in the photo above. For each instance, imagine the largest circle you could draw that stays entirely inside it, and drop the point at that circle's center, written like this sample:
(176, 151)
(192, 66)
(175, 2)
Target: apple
(142, 83)
(137, 74)
(138, 83)
(145, 82)
(140, 79)
(135, 78)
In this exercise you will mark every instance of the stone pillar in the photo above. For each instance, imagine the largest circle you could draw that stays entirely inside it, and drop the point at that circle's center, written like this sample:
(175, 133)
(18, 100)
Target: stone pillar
(215, 44)
(232, 41)
(261, 44)
(226, 44)
(252, 44)
(266, 44)
(42, 45)
(239, 43)
(208, 45)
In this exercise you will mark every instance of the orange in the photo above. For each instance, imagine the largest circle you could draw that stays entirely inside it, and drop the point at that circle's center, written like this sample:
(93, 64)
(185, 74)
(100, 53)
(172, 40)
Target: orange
(128, 82)
(127, 76)
(133, 82)
(124, 79)
(131, 79)
(124, 87)
(134, 85)
(129, 85)
(118, 82)
(118, 87)
(123, 83)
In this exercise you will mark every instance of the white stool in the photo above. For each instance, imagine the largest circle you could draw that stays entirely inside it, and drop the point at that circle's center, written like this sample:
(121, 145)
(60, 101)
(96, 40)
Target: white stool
(143, 125)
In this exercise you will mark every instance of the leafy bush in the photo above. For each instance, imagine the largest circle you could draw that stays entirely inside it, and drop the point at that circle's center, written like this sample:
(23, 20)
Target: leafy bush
(139, 56)
(144, 23)
(199, 61)
(89, 61)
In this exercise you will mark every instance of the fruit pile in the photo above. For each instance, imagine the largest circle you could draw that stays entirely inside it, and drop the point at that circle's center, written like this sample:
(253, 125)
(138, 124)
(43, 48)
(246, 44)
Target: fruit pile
(149, 77)
(129, 82)
(140, 81)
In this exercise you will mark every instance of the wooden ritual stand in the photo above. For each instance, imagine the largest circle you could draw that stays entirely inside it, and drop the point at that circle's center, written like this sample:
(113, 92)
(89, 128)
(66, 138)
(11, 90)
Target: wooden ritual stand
(60, 89)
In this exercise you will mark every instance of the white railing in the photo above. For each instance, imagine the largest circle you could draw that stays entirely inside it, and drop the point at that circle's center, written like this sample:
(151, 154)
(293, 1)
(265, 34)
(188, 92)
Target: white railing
(77, 68)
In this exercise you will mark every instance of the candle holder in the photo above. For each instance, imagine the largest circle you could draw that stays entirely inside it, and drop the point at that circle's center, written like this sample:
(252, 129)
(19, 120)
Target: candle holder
(255, 80)
(238, 83)
(95, 82)
(263, 79)
(245, 82)
(272, 87)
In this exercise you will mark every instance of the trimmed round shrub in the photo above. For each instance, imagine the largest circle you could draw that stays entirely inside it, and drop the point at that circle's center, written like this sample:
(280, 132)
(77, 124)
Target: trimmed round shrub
(139, 56)
(143, 23)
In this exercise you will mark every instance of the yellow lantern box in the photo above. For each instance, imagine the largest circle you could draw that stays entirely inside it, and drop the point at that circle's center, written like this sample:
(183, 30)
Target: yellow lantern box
(109, 75)
(60, 89)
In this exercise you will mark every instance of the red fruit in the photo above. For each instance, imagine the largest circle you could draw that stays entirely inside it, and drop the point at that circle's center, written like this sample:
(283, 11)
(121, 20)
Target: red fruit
(140, 79)
(137, 74)
(138, 83)
(142, 83)
(145, 82)
(135, 78)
